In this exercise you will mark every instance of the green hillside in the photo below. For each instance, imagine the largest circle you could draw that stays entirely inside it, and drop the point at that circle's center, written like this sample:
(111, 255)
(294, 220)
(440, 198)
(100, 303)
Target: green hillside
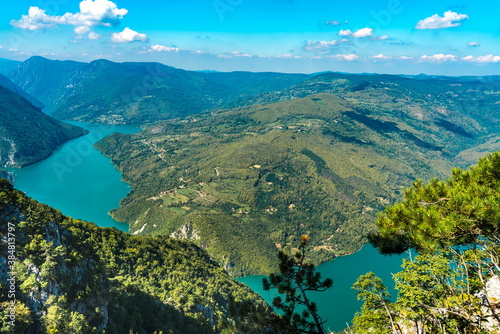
(245, 182)
(27, 135)
(74, 277)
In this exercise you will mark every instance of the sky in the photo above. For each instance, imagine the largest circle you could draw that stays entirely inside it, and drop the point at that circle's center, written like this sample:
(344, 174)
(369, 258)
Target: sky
(296, 36)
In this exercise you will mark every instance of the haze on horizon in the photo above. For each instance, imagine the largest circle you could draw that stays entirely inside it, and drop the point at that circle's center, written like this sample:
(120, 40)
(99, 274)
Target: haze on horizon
(302, 36)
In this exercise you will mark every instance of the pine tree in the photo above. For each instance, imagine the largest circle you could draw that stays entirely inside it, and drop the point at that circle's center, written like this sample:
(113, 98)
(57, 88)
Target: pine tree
(295, 280)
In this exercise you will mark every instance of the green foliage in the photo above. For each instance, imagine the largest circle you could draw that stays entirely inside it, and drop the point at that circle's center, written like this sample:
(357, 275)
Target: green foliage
(295, 280)
(452, 285)
(74, 277)
(459, 211)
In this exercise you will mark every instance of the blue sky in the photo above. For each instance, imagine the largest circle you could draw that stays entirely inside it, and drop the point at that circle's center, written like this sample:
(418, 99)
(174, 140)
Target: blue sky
(383, 36)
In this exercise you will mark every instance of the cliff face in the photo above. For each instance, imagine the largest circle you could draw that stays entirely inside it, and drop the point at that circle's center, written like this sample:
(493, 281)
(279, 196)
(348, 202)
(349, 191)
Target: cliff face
(70, 276)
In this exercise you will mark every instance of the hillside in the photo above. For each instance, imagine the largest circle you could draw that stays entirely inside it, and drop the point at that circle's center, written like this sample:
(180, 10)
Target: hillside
(131, 93)
(5, 82)
(42, 78)
(74, 277)
(27, 135)
(248, 181)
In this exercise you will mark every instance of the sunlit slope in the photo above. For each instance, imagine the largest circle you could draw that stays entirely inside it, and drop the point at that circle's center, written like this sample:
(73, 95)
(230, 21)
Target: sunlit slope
(247, 181)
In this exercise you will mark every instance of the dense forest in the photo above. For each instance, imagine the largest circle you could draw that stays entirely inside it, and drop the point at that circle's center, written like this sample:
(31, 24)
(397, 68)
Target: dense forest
(70, 276)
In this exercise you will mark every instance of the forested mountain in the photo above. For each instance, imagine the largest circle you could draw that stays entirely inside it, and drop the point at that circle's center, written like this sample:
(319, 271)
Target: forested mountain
(74, 277)
(43, 78)
(27, 135)
(107, 92)
(246, 181)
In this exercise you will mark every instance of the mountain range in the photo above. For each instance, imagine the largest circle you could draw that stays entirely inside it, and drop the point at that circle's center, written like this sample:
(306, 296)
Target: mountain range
(257, 159)
(323, 161)
(135, 93)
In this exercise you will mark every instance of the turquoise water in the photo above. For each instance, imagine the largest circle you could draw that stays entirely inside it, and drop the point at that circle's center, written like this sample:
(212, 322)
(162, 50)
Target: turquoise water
(339, 304)
(84, 184)
(77, 179)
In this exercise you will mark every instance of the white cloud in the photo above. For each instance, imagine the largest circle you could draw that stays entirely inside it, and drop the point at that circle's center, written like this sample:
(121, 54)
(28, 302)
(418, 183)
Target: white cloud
(364, 32)
(325, 45)
(92, 35)
(448, 20)
(438, 58)
(81, 30)
(128, 35)
(349, 57)
(406, 58)
(163, 48)
(288, 56)
(92, 13)
(488, 59)
(345, 32)
(474, 44)
(381, 56)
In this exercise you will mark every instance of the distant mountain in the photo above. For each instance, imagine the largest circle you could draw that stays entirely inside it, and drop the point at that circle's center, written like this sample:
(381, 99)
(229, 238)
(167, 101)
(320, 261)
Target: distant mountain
(7, 65)
(43, 78)
(27, 135)
(107, 92)
(74, 277)
(322, 161)
(5, 82)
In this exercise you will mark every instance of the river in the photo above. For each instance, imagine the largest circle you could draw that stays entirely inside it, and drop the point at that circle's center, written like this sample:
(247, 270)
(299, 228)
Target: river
(82, 183)
(77, 179)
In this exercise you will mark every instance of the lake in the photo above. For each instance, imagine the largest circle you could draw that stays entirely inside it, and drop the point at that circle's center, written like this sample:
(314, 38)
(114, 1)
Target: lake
(77, 179)
(82, 183)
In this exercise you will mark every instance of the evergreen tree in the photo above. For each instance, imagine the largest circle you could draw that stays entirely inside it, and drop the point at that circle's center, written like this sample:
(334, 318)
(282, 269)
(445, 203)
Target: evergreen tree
(451, 286)
(295, 279)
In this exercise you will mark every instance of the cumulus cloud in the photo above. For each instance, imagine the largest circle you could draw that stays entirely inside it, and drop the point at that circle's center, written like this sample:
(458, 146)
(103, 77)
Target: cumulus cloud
(362, 33)
(488, 59)
(92, 13)
(163, 48)
(438, 58)
(406, 58)
(448, 20)
(474, 44)
(128, 35)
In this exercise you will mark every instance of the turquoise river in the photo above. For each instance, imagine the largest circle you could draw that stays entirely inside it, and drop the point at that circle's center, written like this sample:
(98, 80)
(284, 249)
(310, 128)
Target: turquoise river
(84, 184)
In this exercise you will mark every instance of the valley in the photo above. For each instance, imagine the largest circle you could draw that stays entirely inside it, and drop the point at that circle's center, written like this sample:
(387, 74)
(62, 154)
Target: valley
(240, 165)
